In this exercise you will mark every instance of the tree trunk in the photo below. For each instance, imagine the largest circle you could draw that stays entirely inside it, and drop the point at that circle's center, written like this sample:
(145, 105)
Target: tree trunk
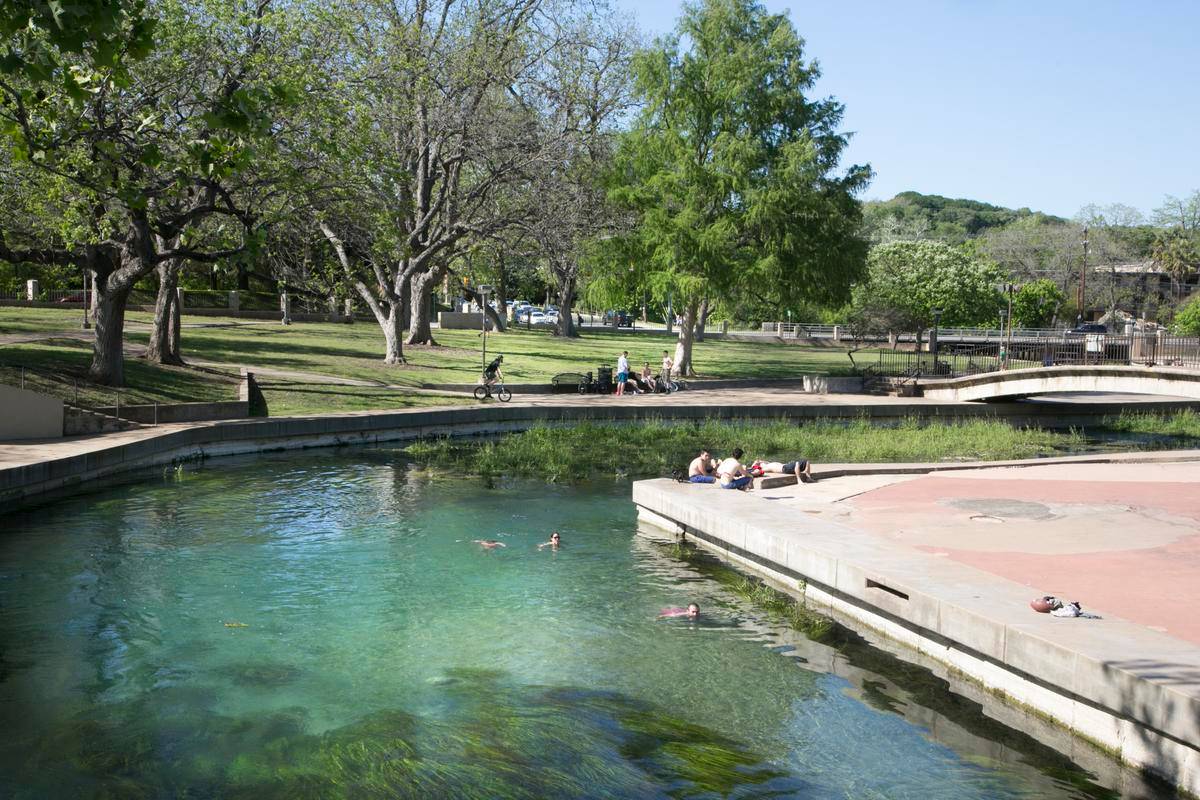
(108, 358)
(683, 347)
(164, 337)
(566, 316)
(702, 321)
(406, 304)
(502, 289)
(419, 331)
(393, 334)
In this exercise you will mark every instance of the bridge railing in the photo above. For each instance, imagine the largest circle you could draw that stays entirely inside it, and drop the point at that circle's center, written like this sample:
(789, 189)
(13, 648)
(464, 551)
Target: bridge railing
(958, 360)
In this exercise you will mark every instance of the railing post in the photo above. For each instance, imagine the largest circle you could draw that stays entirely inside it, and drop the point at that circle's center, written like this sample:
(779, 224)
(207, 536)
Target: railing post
(32, 289)
(179, 297)
(235, 300)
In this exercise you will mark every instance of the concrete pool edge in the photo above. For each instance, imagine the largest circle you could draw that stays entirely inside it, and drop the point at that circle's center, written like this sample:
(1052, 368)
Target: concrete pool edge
(29, 469)
(1125, 689)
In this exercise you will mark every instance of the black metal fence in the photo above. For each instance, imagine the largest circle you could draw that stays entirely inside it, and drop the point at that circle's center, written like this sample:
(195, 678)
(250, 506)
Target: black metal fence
(1145, 349)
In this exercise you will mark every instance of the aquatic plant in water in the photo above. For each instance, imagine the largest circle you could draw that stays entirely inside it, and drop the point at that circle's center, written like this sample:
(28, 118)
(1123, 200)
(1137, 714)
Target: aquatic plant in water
(495, 740)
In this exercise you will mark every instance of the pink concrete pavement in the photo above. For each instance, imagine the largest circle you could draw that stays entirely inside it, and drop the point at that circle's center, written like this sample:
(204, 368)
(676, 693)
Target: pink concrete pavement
(1122, 539)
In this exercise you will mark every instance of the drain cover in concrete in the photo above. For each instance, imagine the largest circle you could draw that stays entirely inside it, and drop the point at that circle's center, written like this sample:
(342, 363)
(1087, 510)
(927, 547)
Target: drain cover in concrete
(1002, 507)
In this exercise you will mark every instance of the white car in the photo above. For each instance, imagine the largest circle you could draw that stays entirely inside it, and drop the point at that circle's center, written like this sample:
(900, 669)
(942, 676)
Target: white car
(552, 316)
(536, 317)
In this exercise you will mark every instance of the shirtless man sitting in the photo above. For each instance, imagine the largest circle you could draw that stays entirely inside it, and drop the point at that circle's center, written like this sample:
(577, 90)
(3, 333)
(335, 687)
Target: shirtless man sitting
(733, 473)
(701, 469)
(801, 468)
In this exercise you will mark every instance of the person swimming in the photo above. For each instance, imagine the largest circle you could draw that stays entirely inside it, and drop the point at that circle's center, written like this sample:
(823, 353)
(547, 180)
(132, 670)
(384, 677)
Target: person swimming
(691, 612)
(490, 544)
(555, 541)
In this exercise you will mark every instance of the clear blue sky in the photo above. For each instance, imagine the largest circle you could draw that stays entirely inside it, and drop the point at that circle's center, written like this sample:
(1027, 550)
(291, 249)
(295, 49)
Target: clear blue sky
(1050, 104)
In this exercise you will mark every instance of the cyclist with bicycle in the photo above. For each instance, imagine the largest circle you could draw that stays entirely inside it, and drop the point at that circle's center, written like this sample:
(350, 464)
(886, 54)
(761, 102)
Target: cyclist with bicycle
(492, 374)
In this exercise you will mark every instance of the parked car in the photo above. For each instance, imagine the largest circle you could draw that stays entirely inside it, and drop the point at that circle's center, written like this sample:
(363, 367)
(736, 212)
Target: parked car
(623, 318)
(552, 315)
(535, 317)
(1087, 328)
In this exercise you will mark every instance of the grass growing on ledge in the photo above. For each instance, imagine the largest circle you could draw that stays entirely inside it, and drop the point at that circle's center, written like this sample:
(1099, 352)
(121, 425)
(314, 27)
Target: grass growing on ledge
(657, 448)
(1181, 423)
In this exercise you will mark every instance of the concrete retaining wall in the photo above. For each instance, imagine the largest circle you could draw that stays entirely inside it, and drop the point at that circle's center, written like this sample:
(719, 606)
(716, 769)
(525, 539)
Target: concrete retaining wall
(1128, 689)
(29, 415)
(164, 413)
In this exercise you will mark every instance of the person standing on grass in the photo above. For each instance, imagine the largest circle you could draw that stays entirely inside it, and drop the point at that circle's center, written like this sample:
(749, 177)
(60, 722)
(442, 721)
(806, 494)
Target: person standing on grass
(622, 372)
(667, 366)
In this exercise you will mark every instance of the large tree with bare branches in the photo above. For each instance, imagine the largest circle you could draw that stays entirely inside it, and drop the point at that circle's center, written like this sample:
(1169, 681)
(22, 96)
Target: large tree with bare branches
(452, 110)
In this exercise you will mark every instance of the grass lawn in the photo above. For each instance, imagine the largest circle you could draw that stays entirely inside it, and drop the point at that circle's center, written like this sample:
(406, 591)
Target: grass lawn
(355, 351)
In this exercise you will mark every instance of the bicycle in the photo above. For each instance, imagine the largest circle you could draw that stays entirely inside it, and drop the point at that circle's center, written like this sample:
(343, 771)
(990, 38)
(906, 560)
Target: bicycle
(484, 390)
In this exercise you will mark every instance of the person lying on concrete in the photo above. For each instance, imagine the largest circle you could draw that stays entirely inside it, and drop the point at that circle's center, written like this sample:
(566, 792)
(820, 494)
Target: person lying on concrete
(801, 468)
(701, 469)
(733, 474)
(555, 541)
(490, 544)
(691, 612)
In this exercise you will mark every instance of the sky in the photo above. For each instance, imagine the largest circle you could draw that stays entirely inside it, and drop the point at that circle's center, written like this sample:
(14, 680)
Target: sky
(1045, 104)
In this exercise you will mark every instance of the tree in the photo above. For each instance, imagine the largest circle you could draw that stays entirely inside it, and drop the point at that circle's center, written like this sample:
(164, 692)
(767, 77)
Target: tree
(452, 110)
(731, 170)
(1187, 318)
(1036, 304)
(138, 158)
(914, 278)
(1182, 213)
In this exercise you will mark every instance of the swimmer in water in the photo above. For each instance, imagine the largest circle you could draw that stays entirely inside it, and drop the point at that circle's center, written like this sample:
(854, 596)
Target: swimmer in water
(554, 542)
(490, 544)
(691, 612)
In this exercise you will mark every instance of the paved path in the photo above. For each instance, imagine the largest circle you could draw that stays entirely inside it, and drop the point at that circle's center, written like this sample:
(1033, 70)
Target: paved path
(1122, 538)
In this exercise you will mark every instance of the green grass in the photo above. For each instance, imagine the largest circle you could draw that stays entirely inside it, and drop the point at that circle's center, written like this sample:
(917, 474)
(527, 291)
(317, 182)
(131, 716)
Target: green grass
(657, 448)
(67, 362)
(356, 351)
(1184, 423)
(300, 399)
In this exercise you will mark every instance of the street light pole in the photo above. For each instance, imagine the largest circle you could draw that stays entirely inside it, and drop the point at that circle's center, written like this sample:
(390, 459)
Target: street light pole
(1003, 346)
(1008, 339)
(1082, 280)
(933, 346)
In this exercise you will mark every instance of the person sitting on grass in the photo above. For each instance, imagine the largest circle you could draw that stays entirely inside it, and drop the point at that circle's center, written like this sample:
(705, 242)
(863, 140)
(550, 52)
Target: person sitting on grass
(555, 541)
(801, 468)
(733, 474)
(701, 469)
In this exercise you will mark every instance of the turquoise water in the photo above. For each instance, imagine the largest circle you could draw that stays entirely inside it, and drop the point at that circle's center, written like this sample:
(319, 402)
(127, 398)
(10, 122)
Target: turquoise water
(320, 624)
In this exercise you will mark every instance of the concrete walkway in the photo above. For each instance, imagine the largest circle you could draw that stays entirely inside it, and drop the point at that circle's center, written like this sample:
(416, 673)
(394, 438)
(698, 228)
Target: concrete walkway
(947, 564)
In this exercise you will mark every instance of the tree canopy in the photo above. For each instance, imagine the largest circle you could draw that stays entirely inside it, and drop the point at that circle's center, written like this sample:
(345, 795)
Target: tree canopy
(732, 169)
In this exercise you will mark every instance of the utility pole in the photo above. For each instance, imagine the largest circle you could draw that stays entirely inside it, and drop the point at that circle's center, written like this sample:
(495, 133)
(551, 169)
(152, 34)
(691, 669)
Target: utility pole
(1081, 299)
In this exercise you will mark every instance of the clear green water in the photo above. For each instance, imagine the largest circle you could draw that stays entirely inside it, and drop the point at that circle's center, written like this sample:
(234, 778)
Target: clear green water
(385, 655)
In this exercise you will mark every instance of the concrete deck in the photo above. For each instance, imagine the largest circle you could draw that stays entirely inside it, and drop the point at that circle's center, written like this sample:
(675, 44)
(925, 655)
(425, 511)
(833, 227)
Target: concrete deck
(946, 563)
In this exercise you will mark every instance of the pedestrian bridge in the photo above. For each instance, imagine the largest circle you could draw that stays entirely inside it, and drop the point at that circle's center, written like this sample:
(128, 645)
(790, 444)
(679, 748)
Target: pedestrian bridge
(1009, 384)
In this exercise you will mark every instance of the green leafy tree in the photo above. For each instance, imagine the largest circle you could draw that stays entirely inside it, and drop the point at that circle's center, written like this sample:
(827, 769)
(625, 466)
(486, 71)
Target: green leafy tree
(913, 278)
(137, 160)
(1187, 318)
(731, 170)
(1036, 304)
